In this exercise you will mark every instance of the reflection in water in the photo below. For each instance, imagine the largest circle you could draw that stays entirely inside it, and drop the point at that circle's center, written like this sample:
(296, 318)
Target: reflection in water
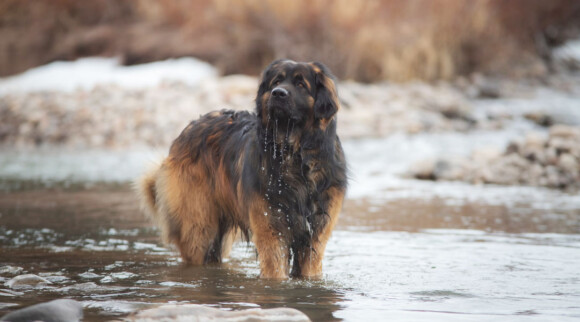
(117, 282)
(97, 248)
(384, 260)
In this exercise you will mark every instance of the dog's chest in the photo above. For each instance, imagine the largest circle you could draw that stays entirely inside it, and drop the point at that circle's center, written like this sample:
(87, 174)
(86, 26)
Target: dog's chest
(292, 185)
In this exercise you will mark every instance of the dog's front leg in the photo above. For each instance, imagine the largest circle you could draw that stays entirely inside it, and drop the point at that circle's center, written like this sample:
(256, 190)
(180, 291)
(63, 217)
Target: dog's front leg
(310, 260)
(273, 252)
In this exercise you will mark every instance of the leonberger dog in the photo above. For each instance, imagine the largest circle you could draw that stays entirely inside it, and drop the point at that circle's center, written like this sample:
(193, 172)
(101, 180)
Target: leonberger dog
(277, 176)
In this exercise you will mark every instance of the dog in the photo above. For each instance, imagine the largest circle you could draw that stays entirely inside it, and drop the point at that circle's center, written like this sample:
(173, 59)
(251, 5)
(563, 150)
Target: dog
(278, 176)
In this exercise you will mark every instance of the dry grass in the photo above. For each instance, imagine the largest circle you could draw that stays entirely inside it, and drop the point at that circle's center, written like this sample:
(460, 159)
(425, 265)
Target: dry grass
(358, 39)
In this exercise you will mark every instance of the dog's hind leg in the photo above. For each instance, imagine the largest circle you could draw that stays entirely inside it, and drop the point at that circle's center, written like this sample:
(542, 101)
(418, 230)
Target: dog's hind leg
(192, 222)
(227, 242)
(195, 244)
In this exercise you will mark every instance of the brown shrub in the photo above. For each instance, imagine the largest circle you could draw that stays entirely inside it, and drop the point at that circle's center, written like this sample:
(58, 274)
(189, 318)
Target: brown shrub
(362, 40)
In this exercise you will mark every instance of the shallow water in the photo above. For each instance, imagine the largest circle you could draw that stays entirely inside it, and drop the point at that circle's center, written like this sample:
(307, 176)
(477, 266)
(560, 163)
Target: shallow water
(404, 259)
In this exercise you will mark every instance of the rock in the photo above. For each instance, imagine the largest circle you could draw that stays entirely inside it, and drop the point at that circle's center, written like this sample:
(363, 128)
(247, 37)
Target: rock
(27, 281)
(424, 170)
(438, 169)
(535, 160)
(540, 118)
(63, 310)
(568, 163)
(89, 275)
(565, 131)
(446, 169)
(486, 154)
(486, 87)
(194, 312)
(548, 118)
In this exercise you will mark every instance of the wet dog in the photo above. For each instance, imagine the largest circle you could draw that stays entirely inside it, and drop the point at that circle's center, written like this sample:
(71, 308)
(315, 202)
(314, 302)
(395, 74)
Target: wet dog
(278, 176)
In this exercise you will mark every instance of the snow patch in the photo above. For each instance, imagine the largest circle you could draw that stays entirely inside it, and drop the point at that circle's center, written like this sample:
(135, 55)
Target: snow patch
(87, 73)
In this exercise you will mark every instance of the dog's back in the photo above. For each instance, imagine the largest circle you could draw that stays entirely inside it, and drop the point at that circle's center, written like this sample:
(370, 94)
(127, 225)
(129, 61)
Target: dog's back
(192, 195)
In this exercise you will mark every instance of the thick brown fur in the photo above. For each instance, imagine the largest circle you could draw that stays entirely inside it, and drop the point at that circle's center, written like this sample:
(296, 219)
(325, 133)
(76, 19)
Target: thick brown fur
(277, 176)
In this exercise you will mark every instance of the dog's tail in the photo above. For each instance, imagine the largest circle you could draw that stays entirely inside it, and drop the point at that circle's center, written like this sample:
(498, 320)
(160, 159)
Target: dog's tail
(147, 192)
(151, 200)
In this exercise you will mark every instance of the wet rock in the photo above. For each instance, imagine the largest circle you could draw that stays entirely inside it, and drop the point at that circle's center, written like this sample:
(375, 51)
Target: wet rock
(89, 275)
(194, 312)
(63, 310)
(27, 281)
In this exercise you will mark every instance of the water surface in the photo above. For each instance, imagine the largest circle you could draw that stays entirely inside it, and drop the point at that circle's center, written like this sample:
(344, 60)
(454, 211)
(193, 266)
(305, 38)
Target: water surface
(405, 259)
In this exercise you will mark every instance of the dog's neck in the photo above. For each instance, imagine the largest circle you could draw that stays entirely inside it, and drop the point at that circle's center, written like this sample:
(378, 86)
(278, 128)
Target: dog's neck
(286, 138)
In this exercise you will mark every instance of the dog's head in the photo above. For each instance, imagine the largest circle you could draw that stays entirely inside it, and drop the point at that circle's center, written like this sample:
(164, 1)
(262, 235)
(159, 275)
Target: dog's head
(302, 93)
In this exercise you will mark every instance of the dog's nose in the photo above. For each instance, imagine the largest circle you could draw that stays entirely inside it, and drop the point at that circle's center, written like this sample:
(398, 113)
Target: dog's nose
(279, 92)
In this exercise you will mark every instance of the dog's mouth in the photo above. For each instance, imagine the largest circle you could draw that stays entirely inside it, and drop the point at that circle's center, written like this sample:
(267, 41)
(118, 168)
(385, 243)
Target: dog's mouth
(280, 108)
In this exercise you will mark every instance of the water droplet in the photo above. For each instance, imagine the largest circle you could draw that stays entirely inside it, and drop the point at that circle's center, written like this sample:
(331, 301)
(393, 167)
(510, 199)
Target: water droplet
(265, 213)
(279, 210)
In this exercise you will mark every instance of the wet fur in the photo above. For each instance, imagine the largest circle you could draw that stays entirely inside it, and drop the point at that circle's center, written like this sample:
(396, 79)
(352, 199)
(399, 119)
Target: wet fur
(278, 176)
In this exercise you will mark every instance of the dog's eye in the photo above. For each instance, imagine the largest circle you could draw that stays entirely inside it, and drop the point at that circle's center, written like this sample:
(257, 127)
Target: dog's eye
(301, 84)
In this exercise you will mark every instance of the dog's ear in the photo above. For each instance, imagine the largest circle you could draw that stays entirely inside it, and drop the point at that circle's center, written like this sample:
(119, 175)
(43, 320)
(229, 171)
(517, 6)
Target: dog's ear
(326, 102)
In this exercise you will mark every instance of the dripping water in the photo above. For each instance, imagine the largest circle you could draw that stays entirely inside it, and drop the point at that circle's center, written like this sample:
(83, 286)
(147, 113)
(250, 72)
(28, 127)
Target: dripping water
(266, 135)
(275, 139)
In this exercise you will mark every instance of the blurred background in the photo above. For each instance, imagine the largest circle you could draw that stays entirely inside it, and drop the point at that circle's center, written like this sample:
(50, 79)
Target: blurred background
(460, 121)
(365, 41)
